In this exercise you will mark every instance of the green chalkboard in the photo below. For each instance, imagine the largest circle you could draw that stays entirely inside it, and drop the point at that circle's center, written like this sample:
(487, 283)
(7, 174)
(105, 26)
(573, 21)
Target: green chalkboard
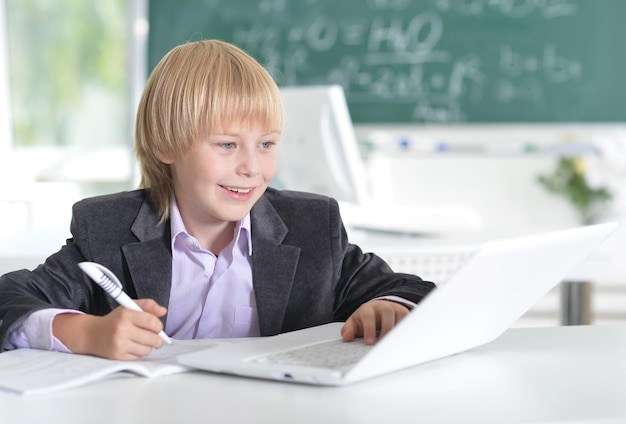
(433, 61)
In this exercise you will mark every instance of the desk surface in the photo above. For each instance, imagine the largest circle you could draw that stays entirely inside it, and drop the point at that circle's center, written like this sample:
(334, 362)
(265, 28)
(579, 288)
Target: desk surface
(528, 375)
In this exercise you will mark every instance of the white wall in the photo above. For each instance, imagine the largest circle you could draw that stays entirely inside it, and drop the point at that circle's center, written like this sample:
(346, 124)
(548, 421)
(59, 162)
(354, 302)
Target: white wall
(487, 167)
(502, 189)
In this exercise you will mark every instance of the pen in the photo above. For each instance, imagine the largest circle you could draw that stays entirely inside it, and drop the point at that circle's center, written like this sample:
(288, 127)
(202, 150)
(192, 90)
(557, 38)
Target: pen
(109, 282)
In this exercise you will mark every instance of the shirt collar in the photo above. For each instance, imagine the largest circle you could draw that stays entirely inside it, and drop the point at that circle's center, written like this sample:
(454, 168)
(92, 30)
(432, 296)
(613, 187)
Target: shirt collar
(177, 227)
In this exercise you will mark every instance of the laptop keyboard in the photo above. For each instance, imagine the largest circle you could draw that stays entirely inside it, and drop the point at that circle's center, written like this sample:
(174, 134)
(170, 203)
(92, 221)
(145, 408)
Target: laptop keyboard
(431, 265)
(335, 354)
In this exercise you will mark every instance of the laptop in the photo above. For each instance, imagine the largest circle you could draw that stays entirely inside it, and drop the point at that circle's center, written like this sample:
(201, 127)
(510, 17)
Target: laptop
(495, 287)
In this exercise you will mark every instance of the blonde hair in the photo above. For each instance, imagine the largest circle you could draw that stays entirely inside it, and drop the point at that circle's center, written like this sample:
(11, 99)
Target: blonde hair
(196, 87)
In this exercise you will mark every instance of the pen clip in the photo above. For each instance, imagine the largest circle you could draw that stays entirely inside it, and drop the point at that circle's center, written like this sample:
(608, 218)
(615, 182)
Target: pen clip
(106, 271)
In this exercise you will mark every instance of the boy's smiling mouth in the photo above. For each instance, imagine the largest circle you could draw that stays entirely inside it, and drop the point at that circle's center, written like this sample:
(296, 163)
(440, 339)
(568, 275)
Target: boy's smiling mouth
(238, 190)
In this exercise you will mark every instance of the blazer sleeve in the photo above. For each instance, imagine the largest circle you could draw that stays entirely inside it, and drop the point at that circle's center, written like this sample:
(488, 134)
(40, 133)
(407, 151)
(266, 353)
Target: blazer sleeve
(59, 282)
(364, 276)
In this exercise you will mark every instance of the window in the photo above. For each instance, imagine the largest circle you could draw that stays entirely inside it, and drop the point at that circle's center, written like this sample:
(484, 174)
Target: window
(69, 74)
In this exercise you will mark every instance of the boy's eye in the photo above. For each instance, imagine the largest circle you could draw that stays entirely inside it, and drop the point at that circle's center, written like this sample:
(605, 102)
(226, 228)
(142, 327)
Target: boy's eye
(267, 144)
(227, 146)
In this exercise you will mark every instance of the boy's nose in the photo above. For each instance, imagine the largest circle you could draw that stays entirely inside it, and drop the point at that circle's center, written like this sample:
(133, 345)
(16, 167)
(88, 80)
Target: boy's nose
(249, 163)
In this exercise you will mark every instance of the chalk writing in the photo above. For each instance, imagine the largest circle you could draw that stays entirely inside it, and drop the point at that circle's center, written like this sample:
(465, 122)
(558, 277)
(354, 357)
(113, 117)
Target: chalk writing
(436, 61)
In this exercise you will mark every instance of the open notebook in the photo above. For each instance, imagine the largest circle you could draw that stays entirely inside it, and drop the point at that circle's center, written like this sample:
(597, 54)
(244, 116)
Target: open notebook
(497, 285)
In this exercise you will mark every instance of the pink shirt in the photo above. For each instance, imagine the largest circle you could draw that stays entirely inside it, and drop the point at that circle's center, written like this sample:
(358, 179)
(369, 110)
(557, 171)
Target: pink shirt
(211, 296)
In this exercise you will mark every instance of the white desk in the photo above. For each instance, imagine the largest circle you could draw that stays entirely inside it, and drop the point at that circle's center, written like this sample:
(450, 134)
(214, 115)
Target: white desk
(529, 375)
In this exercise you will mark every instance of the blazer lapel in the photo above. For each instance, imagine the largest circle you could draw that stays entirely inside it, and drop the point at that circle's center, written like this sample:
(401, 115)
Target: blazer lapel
(150, 259)
(273, 266)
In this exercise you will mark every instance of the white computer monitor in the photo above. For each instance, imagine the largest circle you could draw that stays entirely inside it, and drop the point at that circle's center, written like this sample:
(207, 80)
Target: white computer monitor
(318, 151)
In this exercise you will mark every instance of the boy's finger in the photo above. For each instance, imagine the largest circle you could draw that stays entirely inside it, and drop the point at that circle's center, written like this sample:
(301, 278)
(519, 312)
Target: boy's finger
(348, 331)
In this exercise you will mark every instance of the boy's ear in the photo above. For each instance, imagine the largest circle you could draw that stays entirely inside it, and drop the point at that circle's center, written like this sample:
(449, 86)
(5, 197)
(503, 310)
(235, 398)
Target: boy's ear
(165, 158)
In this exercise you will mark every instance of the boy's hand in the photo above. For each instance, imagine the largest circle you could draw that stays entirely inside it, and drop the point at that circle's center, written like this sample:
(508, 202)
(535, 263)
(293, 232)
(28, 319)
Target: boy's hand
(376, 315)
(122, 334)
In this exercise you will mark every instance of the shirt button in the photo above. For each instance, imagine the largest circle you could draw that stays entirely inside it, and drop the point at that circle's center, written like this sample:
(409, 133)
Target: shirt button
(190, 242)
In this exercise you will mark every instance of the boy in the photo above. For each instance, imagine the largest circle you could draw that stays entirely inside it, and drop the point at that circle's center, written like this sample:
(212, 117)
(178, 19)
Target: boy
(205, 236)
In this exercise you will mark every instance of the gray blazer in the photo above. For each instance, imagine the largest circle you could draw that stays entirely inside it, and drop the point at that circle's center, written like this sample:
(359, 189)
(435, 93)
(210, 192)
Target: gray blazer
(305, 272)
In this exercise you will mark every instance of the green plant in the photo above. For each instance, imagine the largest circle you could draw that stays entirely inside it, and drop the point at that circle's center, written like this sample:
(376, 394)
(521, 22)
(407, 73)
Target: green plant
(568, 180)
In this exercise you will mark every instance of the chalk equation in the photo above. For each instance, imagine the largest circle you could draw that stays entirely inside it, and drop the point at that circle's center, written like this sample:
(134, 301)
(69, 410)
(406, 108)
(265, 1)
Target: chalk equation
(418, 59)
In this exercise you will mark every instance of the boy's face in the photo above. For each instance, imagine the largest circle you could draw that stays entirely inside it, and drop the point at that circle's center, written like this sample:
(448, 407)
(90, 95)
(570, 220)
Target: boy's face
(224, 173)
